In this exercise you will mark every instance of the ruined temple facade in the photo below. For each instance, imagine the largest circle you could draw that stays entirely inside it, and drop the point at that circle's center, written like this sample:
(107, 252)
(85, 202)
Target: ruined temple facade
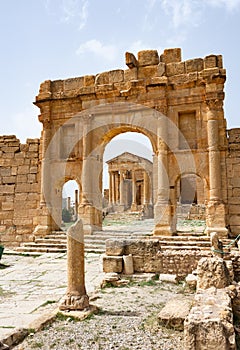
(130, 184)
(177, 104)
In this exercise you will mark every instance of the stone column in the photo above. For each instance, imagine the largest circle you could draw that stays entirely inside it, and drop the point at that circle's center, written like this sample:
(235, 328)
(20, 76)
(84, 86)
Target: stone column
(76, 204)
(113, 188)
(45, 222)
(215, 217)
(68, 203)
(162, 209)
(134, 192)
(89, 209)
(145, 188)
(121, 185)
(110, 188)
(76, 297)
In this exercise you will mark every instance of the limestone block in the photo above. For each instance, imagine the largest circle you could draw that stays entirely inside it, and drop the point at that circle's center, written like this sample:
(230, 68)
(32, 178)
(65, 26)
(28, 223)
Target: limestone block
(9, 180)
(5, 171)
(212, 272)
(89, 80)
(175, 312)
(175, 68)
(130, 74)
(7, 189)
(73, 83)
(116, 76)
(195, 65)
(147, 72)
(115, 247)
(138, 263)
(161, 68)
(148, 58)
(234, 220)
(209, 325)
(142, 247)
(170, 278)
(191, 281)
(21, 178)
(102, 78)
(128, 264)
(131, 60)
(171, 55)
(234, 209)
(23, 169)
(7, 206)
(112, 264)
(33, 170)
(210, 61)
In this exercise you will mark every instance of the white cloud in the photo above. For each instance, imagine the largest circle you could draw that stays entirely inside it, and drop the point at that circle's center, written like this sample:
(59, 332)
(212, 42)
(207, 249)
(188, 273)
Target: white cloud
(69, 11)
(229, 4)
(108, 52)
(182, 12)
(185, 12)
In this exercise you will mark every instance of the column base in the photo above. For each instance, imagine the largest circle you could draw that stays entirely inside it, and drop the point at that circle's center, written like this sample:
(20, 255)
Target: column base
(74, 302)
(162, 231)
(134, 207)
(41, 230)
(215, 219)
(164, 225)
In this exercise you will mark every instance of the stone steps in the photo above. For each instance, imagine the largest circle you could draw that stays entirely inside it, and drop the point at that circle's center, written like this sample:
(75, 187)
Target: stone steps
(56, 242)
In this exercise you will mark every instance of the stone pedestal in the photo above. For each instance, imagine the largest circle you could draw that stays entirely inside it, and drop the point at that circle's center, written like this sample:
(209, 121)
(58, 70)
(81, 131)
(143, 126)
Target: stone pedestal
(76, 297)
(215, 219)
(162, 218)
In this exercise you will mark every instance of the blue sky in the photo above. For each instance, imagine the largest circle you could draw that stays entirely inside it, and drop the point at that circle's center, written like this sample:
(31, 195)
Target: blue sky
(57, 39)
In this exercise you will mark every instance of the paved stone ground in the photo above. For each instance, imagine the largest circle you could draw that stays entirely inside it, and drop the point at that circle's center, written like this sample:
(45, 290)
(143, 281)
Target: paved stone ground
(30, 286)
(30, 283)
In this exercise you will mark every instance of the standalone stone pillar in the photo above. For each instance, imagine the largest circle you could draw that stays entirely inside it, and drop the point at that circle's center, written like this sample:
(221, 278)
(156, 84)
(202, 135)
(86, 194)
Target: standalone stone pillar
(76, 204)
(134, 192)
(162, 209)
(76, 297)
(215, 217)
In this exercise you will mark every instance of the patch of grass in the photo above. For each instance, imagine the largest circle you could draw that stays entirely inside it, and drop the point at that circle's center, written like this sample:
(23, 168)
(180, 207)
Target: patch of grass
(62, 317)
(37, 345)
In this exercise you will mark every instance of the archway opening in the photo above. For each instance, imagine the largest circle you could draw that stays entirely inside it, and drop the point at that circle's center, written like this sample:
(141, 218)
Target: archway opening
(128, 178)
(70, 202)
(191, 197)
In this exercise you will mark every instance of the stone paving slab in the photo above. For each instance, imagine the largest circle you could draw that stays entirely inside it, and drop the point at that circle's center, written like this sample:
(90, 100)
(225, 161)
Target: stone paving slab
(30, 284)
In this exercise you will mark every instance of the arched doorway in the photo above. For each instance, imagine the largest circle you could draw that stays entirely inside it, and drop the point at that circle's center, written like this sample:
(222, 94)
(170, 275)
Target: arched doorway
(128, 175)
(70, 202)
(191, 198)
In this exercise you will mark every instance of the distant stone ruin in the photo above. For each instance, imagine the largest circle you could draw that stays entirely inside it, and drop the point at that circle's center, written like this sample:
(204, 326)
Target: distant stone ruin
(177, 104)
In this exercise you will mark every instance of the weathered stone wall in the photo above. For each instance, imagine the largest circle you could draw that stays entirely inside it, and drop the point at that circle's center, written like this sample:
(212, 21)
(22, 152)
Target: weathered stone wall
(19, 189)
(148, 257)
(233, 178)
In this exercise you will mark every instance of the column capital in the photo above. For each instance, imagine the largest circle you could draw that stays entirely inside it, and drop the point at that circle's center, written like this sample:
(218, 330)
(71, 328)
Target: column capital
(214, 104)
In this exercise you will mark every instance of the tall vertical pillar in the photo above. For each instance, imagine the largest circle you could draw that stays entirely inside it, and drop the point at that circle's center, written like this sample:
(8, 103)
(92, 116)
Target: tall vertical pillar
(110, 188)
(45, 222)
(76, 204)
(162, 209)
(215, 218)
(76, 297)
(121, 190)
(113, 188)
(90, 208)
(145, 188)
(134, 192)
